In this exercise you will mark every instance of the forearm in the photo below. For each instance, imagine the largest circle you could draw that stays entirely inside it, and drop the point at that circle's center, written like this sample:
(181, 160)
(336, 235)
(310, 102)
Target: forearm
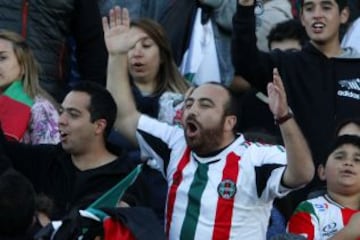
(343, 234)
(91, 52)
(243, 39)
(119, 85)
(250, 63)
(350, 231)
(300, 169)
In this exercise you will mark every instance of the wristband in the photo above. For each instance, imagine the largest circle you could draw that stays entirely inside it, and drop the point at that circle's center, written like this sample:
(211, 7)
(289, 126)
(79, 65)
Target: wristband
(283, 119)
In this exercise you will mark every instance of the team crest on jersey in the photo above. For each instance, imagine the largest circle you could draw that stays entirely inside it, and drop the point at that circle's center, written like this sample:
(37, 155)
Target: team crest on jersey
(227, 189)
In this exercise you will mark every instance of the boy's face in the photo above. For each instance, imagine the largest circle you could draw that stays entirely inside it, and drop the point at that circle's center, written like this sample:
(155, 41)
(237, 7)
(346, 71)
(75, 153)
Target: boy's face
(322, 19)
(342, 170)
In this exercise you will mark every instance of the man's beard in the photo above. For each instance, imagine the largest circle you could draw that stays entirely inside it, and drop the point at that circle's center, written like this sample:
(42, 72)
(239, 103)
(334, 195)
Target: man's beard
(208, 140)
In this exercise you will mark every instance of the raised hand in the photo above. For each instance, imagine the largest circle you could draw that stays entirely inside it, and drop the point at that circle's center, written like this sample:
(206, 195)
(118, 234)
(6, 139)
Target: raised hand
(277, 96)
(117, 33)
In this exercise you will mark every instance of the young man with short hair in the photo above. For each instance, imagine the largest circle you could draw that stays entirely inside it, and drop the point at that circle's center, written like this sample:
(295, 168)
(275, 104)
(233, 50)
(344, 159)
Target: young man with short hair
(321, 80)
(81, 167)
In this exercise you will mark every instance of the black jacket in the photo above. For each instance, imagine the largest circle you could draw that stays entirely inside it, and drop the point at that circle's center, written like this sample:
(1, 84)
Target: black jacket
(53, 173)
(321, 91)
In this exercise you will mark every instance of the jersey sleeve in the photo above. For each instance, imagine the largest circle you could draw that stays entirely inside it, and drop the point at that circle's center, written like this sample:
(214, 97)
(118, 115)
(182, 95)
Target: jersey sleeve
(269, 162)
(304, 220)
(156, 140)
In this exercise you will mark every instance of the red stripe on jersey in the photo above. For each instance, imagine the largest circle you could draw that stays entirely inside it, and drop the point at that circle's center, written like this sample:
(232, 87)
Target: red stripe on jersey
(300, 223)
(346, 214)
(225, 207)
(177, 178)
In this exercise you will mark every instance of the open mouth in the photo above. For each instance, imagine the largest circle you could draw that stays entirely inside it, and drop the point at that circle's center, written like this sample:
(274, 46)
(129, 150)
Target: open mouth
(63, 135)
(347, 172)
(192, 128)
(318, 27)
(137, 66)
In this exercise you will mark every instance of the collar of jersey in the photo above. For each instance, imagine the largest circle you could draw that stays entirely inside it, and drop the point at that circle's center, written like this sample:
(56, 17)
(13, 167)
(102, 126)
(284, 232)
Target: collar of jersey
(218, 155)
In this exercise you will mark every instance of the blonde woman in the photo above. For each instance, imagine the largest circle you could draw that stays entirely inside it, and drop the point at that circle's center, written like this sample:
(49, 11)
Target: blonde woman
(27, 113)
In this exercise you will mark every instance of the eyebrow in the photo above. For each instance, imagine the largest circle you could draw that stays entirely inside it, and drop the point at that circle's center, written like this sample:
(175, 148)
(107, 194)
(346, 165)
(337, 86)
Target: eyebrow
(339, 151)
(324, 2)
(147, 38)
(70, 109)
(191, 99)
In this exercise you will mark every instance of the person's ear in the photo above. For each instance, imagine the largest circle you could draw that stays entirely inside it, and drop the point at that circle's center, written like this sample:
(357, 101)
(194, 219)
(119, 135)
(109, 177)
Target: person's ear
(230, 123)
(321, 172)
(100, 126)
(344, 15)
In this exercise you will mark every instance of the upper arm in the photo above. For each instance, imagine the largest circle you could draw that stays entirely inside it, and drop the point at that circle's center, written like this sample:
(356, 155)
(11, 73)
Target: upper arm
(91, 54)
(128, 126)
(249, 62)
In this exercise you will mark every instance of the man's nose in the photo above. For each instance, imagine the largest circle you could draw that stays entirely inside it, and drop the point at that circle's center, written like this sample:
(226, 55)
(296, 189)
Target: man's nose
(62, 119)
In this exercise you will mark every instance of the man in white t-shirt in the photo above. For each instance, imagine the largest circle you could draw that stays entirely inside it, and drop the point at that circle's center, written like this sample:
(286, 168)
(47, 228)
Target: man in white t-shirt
(220, 186)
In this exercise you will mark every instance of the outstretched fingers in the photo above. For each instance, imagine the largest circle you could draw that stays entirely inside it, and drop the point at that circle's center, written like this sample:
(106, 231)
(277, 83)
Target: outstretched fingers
(277, 80)
(105, 24)
(117, 17)
(125, 18)
(277, 95)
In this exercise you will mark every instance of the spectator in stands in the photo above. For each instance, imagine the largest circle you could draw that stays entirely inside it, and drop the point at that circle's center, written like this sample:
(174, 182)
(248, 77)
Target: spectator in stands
(180, 22)
(46, 26)
(325, 215)
(287, 35)
(321, 84)
(80, 169)
(268, 14)
(152, 70)
(352, 34)
(206, 149)
(158, 89)
(349, 126)
(17, 206)
(28, 114)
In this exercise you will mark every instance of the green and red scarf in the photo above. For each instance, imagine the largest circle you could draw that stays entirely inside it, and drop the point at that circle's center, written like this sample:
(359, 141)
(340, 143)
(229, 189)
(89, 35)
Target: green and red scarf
(15, 111)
